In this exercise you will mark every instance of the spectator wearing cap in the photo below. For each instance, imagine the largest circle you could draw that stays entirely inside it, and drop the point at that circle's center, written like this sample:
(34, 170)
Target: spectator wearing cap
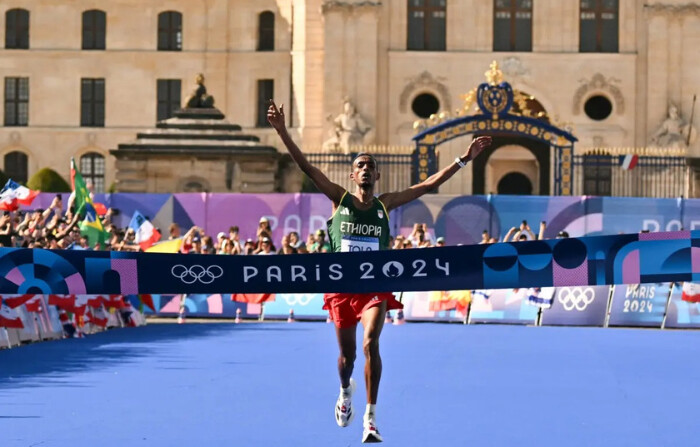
(223, 245)
(264, 227)
(196, 244)
(321, 245)
(266, 246)
(440, 242)
(562, 235)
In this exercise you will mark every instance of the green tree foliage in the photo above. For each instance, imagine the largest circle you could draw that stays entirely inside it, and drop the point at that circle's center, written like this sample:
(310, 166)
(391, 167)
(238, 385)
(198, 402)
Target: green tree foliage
(48, 180)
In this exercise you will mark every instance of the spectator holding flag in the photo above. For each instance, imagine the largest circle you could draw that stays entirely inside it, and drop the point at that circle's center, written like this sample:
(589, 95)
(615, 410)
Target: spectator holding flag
(13, 195)
(145, 233)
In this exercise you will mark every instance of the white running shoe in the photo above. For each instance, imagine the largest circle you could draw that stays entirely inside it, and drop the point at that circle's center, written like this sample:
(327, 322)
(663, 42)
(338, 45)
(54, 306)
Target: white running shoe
(343, 407)
(370, 432)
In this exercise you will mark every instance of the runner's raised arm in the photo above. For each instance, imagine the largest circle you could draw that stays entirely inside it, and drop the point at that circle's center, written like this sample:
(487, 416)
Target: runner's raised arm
(394, 200)
(332, 190)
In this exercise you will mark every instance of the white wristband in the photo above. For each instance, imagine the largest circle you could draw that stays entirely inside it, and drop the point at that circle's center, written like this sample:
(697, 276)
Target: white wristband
(460, 162)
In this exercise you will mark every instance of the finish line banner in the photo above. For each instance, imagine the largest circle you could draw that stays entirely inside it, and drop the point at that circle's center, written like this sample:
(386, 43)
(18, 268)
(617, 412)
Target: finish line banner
(597, 260)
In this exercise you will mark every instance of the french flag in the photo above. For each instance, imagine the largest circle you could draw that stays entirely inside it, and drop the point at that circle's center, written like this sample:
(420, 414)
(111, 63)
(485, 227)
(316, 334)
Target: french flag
(146, 233)
(9, 318)
(629, 162)
(13, 195)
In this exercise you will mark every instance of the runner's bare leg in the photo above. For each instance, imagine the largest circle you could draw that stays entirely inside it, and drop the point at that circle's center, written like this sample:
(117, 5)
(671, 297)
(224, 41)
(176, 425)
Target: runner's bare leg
(348, 347)
(373, 321)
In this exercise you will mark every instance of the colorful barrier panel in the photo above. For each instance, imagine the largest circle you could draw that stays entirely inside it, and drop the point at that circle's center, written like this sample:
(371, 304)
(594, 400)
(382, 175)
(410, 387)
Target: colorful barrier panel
(578, 306)
(502, 306)
(641, 305)
(681, 314)
(202, 305)
(435, 306)
(307, 306)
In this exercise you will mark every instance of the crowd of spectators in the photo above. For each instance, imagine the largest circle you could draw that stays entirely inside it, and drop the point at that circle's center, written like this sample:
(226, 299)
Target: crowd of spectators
(54, 228)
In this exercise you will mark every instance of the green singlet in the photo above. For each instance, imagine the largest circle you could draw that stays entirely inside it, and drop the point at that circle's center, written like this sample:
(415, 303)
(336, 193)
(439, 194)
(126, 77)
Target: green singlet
(351, 229)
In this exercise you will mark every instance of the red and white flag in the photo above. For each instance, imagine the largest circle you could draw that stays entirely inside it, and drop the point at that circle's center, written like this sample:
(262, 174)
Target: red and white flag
(35, 304)
(629, 162)
(81, 302)
(116, 301)
(96, 300)
(9, 318)
(14, 301)
(92, 317)
(66, 302)
(691, 292)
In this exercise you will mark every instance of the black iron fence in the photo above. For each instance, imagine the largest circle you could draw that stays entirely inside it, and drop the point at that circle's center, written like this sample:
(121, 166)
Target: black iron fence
(395, 164)
(603, 174)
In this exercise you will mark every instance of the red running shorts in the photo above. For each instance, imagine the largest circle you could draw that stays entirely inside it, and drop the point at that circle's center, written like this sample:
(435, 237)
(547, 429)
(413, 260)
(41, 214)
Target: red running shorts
(346, 309)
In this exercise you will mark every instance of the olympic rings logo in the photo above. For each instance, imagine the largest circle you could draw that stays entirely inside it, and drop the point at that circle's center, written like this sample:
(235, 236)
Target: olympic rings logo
(575, 298)
(301, 299)
(197, 273)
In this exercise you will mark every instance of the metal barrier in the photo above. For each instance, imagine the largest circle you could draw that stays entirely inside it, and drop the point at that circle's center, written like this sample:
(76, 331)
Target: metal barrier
(395, 165)
(600, 173)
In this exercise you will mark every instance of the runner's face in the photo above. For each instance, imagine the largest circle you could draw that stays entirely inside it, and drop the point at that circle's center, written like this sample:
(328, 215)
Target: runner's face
(364, 171)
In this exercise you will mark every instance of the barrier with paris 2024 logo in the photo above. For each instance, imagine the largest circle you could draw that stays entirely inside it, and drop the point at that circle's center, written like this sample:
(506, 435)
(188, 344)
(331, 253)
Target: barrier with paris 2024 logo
(596, 260)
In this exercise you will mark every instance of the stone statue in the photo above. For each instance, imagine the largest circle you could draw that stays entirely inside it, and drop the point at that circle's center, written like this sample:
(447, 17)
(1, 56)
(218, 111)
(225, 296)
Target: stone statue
(673, 132)
(199, 98)
(349, 129)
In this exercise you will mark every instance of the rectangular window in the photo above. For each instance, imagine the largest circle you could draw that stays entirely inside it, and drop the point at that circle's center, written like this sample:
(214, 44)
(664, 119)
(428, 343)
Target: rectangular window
(427, 25)
(16, 101)
(599, 26)
(266, 91)
(169, 91)
(512, 25)
(92, 102)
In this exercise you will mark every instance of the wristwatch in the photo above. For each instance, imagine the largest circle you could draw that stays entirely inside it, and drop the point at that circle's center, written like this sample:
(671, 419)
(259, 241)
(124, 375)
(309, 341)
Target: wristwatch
(460, 162)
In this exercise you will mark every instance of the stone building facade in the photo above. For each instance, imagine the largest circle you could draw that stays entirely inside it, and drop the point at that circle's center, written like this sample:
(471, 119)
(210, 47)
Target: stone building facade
(608, 69)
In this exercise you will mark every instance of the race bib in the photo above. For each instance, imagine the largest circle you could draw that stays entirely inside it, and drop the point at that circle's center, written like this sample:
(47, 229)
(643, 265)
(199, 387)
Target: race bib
(359, 243)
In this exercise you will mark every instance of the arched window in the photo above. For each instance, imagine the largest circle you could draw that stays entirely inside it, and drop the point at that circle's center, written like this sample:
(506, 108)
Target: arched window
(16, 166)
(427, 25)
(599, 27)
(170, 31)
(597, 174)
(94, 29)
(17, 29)
(266, 31)
(512, 25)
(92, 167)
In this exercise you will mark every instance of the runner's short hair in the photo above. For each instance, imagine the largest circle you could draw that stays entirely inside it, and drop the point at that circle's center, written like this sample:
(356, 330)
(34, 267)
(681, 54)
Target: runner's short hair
(365, 154)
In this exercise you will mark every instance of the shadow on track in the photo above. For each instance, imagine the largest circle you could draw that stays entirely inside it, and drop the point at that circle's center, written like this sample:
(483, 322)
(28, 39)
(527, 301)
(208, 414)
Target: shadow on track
(61, 357)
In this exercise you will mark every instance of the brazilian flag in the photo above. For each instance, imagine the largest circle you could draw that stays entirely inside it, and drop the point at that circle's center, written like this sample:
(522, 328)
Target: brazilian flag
(91, 226)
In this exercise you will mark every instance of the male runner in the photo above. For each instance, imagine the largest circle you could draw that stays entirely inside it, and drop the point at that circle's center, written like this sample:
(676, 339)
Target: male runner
(360, 222)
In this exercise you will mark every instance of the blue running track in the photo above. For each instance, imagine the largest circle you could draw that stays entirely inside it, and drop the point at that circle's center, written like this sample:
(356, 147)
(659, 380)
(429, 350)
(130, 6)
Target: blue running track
(275, 384)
